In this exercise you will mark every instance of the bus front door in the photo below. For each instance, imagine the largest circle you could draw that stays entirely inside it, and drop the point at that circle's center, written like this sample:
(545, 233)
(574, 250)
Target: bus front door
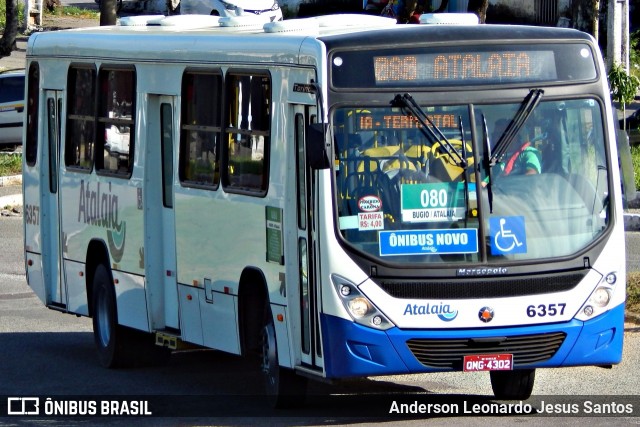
(159, 217)
(52, 234)
(306, 268)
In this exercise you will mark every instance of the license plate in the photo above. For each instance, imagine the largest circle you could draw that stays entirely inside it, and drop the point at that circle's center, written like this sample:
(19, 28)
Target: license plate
(488, 362)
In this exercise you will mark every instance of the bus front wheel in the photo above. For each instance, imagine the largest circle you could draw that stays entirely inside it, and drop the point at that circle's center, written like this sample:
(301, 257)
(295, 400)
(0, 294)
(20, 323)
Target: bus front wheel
(282, 386)
(513, 385)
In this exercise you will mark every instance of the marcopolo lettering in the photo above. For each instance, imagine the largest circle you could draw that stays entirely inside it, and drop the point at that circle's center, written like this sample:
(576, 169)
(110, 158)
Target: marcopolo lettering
(483, 271)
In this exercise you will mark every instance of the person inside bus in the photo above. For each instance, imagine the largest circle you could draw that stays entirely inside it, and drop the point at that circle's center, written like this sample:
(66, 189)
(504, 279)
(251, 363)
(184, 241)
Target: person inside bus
(522, 158)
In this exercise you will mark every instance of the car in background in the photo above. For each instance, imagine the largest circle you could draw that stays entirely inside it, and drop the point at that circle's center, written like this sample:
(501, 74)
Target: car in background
(11, 107)
(117, 140)
(632, 126)
(230, 8)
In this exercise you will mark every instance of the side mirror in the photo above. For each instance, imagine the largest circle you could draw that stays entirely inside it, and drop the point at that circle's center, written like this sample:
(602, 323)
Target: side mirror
(317, 149)
(626, 166)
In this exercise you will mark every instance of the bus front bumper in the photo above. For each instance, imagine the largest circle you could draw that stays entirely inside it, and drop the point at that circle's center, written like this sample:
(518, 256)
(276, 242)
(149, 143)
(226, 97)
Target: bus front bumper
(360, 351)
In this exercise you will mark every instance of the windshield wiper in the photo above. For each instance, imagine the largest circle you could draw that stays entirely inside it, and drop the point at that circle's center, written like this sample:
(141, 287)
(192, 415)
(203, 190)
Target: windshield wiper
(526, 108)
(431, 131)
(463, 151)
(487, 161)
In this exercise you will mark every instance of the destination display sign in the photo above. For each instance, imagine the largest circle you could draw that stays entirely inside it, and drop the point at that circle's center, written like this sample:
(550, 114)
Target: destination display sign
(463, 65)
(367, 120)
(444, 68)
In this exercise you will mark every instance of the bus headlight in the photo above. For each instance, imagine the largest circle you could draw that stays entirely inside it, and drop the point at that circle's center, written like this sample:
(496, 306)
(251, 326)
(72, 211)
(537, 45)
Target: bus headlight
(601, 297)
(361, 310)
(358, 307)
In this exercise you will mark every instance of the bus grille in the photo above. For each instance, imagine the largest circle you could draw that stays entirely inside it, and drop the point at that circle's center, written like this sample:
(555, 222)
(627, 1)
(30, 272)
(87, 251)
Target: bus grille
(493, 287)
(449, 353)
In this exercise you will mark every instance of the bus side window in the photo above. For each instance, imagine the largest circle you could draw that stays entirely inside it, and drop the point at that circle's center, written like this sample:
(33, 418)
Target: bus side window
(248, 133)
(33, 102)
(81, 119)
(116, 121)
(200, 128)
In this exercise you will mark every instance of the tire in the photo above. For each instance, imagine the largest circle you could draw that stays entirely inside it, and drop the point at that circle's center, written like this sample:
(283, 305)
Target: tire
(109, 337)
(513, 385)
(283, 387)
(119, 346)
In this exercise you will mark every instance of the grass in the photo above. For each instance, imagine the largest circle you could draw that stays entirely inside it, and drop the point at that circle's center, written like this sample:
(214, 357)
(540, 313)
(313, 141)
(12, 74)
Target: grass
(10, 164)
(633, 291)
(635, 159)
(3, 13)
(72, 11)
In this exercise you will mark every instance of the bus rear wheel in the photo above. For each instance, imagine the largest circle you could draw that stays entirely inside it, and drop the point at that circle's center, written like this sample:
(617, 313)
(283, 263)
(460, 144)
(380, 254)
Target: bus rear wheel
(282, 386)
(119, 346)
(109, 337)
(513, 385)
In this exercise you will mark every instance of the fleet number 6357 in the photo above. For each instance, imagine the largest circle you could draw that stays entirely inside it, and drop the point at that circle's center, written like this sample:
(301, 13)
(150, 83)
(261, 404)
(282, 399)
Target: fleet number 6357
(543, 310)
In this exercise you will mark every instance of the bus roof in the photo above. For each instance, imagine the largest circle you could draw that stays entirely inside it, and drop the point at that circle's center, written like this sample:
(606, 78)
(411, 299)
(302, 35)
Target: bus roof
(205, 38)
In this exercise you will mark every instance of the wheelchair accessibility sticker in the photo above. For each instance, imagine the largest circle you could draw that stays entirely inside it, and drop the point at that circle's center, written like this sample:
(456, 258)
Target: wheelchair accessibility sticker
(507, 235)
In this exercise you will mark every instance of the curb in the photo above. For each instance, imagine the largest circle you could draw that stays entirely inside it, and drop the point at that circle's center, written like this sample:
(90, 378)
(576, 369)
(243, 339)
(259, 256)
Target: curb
(11, 199)
(632, 317)
(6, 181)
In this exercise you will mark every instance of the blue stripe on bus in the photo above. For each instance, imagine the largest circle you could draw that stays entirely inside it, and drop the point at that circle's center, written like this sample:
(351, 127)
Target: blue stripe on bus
(360, 351)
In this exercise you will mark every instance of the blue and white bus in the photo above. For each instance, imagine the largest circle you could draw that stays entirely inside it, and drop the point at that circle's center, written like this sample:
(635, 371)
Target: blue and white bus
(338, 196)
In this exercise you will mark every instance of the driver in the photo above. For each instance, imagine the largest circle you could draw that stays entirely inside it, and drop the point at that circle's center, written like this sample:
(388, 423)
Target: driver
(523, 158)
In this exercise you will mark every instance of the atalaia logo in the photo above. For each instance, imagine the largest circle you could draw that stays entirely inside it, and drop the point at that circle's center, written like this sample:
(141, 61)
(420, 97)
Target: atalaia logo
(100, 208)
(443, 311)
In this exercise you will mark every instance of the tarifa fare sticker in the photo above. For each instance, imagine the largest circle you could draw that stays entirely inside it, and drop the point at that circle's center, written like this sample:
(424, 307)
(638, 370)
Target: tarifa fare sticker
(370, 215)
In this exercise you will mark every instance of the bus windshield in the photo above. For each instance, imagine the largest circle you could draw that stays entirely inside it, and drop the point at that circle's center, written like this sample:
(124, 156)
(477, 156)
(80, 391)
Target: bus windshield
(407, 194)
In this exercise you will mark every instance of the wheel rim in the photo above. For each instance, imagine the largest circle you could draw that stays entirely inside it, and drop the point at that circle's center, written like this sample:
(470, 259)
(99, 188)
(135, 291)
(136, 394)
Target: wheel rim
(269, 358)
(103, 319)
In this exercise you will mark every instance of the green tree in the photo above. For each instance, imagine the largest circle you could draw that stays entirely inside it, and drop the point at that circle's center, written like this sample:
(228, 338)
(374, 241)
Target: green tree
(8, 40)
(623, 86)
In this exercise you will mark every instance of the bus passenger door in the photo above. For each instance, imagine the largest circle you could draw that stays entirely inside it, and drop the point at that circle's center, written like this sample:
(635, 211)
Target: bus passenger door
(52, 238)
(159, 218)
(305, 273)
